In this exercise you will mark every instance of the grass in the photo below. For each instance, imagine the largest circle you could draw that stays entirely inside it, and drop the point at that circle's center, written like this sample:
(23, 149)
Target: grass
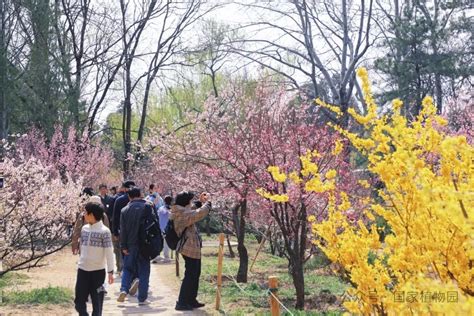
(48, 295)
(252, 299)
(12, 279)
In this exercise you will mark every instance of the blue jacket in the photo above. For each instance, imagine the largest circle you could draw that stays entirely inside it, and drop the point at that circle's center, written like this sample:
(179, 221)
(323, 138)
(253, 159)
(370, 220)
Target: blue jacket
(121, 201)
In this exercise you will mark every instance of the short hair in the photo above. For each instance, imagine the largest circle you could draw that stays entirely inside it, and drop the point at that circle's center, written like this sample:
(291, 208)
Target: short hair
(151, 187)
(96, 209)
(183, 198)
(168, 200)
(114, 188)
(103, 185)
(87, 191)
(134, 192)
(128, 184)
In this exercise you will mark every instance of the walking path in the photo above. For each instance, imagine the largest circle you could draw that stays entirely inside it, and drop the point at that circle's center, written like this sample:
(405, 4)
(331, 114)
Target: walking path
(161, 294)
(61, 271)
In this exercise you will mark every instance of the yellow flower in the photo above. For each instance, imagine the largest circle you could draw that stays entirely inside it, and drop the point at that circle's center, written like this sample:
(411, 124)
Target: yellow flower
(397, 104)
(364, 183)
(334, 109)
(427, 101)
(425, 201)
(338, 147)
(294, 177)
(279, 198)
(276, 174)
(331, 174)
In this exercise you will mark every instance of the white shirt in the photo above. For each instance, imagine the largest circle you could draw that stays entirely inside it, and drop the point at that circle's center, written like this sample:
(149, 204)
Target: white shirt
(97, 251)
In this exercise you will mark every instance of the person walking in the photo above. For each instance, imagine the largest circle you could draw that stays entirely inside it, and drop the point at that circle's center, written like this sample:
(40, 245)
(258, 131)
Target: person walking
(133, 262)
(80, 222)
(163, 215)
(120, 202)
(96, 255)
(107, 200)
(189, 246)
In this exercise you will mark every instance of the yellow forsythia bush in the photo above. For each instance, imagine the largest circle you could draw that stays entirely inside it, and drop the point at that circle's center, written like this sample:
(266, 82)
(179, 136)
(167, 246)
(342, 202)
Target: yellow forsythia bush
(426, 264)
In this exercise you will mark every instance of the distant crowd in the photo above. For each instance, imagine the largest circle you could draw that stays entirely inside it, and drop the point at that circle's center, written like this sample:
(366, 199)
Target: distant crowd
(119, 232)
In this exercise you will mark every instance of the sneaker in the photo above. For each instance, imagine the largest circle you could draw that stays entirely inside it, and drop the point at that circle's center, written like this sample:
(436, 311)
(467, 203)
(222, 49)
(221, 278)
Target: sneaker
(145, 302)
(134, 287)
(157, 259)
(197, 304)
(122, 297)
(183, 307)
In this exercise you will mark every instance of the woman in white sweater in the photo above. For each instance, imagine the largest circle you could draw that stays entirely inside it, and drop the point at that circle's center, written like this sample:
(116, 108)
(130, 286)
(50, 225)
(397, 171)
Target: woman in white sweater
(97, 254)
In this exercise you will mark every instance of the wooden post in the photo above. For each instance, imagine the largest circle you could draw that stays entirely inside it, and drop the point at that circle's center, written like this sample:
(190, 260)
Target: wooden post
(258, 251)
(177, 264)
(260, 246)
(273, 287)
(220, 258)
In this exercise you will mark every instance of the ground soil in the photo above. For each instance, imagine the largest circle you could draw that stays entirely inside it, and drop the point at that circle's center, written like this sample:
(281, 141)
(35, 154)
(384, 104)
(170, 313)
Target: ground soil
(61, 270)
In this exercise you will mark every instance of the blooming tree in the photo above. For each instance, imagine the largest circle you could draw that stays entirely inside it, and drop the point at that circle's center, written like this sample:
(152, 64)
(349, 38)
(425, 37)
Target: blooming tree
(38, 211)
(228, 150)
(69, 155)
(425, 265)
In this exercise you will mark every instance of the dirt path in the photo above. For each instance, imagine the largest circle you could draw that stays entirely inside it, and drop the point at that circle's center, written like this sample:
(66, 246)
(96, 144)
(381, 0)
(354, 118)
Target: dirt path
(61, 271)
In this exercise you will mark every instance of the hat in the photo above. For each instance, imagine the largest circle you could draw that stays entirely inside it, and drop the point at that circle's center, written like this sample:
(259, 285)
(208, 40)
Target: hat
(95, 199)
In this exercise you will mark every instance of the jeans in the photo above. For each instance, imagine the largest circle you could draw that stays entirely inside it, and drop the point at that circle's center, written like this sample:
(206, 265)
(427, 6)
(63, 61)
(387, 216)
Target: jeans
(118, 255)
(135, 265)
(89, 283)
(189, 287)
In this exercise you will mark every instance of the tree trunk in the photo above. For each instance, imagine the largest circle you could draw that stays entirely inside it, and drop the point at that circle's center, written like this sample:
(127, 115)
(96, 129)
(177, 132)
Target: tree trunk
(127, 117)
(3, 75)
(297, 274)
(270, 240)
(239, 223)
(231, 251)
(294, 233)
(214, 83)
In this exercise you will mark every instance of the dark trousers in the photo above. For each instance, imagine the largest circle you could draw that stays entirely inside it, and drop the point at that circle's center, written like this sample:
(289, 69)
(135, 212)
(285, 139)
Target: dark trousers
(89, 283)
(190, 285)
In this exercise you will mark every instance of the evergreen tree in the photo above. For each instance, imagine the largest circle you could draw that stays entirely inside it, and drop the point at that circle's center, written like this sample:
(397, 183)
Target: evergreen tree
(429, 52)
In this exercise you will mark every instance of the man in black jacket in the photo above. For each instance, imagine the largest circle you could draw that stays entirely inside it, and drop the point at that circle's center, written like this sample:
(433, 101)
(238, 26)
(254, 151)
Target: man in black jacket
(107, 200)
(120, 202)
(134, 264)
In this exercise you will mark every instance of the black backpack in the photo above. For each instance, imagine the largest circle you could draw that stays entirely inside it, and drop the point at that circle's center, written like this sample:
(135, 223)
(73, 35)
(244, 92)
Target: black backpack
(150, 240)
(171, 236)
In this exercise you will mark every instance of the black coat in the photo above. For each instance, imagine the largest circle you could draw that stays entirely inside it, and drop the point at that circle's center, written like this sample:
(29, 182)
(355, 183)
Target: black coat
(121, 201)
(108, 202)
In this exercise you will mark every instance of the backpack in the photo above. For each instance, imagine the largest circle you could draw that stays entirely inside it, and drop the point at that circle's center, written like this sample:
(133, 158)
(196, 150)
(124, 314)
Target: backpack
(150, 240)
(171, 236)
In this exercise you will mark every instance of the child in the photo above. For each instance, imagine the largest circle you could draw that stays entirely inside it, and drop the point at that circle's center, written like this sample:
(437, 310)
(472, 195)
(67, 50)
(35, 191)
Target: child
(96, 252)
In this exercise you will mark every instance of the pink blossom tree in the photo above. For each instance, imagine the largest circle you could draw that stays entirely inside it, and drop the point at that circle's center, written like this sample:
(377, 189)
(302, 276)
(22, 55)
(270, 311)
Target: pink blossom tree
(460, 114)
(229, 147)
(37, 211)
(79, 157)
